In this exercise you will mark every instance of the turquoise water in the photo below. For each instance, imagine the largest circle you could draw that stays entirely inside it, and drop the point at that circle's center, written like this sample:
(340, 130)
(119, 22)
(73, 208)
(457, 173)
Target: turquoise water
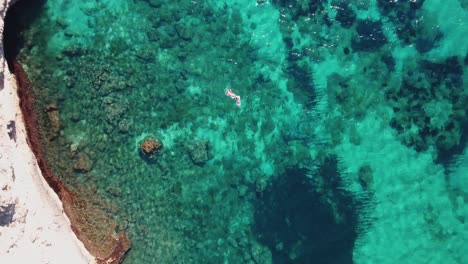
(347, 145)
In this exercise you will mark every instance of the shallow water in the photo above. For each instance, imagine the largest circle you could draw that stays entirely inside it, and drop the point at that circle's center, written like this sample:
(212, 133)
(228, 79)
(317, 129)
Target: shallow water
(350, 133)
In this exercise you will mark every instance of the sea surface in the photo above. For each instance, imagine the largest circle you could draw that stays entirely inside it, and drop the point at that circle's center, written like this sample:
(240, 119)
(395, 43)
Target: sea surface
(292, 131)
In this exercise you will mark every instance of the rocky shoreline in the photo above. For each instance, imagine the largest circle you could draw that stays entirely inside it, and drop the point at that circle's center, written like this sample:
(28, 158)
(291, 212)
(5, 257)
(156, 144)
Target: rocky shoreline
(65, 229)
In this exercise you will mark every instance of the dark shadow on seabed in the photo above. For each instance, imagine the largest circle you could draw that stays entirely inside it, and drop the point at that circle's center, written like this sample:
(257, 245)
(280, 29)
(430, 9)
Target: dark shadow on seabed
(309, 219)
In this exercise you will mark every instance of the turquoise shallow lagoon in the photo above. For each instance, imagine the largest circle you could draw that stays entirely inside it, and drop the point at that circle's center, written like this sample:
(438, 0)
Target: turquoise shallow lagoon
(347, 143)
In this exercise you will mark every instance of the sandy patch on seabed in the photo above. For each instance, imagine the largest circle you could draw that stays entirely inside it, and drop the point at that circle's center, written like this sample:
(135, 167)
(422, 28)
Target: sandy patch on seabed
(33, 227)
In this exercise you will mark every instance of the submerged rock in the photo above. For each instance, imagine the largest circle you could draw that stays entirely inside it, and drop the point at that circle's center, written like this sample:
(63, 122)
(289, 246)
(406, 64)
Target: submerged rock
(82, 162)
(150, 147)
(198, 151)
(53, 116)
(365, 176)
(155, 3)
(369, 37)
(73, 50)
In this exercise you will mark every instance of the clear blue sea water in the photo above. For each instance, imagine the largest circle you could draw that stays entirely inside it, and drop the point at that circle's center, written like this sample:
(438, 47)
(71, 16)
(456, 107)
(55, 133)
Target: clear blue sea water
(347, 142)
